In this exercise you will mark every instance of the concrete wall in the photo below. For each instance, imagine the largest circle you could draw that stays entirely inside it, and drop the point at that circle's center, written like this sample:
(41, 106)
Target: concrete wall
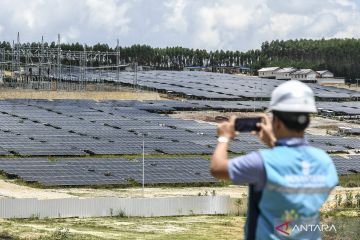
(99, 207)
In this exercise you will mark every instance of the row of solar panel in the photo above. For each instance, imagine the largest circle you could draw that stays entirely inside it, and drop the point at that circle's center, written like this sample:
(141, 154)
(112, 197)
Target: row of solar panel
(38, 127)
(220, 86)
(339, 108)
(76, 172)
(108, 171)
(347, 166)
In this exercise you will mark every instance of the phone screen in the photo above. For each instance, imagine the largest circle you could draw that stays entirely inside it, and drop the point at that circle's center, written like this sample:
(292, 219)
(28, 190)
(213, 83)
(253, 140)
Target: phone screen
(247, 124)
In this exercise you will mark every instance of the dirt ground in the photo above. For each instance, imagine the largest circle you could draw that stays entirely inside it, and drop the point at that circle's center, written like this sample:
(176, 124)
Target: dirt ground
(322, 126)
(318, 125)
(90, 95)
(352, 87)
(9, 189)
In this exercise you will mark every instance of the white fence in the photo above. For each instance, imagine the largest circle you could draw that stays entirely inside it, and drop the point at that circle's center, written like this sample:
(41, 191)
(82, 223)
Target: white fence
(98, 207)
(330, 80)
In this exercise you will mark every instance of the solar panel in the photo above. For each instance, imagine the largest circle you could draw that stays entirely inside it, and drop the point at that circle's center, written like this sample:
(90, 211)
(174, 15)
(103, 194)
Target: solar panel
(79, 128)
(114, 171)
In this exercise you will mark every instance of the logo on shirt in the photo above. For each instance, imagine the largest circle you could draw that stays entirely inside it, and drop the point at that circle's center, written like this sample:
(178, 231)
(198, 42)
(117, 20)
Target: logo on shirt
(305, 167)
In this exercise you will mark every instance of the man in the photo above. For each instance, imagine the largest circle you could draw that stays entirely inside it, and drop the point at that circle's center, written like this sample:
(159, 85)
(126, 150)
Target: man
(290, 181)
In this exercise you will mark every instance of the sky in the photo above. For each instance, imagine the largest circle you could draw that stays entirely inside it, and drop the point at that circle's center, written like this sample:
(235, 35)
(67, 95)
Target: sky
(205, 24)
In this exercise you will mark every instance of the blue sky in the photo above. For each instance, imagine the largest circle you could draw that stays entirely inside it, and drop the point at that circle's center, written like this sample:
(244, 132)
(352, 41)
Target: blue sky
(206, 24)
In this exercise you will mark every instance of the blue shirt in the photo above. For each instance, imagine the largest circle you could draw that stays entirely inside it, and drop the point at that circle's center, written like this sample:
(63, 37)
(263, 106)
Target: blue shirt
(250, 167)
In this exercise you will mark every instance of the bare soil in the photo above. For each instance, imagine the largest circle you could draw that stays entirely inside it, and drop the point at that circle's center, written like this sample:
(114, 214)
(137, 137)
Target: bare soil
(352, 87)
(89, 95)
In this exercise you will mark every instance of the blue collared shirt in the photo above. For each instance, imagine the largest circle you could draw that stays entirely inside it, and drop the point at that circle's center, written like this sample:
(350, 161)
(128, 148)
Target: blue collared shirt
(250, 167)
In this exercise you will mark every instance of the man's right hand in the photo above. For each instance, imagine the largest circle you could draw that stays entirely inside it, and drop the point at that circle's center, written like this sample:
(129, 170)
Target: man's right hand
(266, 133)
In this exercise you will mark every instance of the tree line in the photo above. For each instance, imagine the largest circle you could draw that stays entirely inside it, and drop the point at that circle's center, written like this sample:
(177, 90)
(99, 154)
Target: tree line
(341, 56)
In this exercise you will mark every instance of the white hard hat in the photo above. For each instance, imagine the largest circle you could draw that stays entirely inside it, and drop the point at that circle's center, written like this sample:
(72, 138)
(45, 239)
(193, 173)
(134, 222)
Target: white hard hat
(293, 96)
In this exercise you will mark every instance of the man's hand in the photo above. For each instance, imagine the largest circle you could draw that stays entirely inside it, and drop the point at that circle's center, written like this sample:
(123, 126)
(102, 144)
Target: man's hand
(219, 159)
(227, 128)
(266, 133)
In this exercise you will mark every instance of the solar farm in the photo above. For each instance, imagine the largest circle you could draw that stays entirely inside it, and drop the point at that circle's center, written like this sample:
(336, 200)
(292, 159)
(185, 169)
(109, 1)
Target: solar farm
(216, 86)
(64, 158)
(87, 140)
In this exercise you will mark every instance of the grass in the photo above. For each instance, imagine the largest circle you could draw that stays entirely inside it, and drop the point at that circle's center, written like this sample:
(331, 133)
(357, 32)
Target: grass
(177, 228)
(346, 222)
(351, 180)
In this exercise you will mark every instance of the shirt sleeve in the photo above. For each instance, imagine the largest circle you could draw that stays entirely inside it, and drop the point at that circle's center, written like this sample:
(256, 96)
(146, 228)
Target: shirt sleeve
(248, 169)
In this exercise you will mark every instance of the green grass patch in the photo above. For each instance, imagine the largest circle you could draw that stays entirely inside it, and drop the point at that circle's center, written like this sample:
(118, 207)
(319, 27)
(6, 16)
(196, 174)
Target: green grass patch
(351, 180)
(346, 222)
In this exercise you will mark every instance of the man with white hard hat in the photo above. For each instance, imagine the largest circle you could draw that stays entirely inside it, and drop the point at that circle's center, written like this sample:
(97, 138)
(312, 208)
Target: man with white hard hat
(289, 181)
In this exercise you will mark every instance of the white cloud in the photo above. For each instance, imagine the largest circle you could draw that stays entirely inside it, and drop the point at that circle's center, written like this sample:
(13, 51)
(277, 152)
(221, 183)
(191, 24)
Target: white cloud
(226, 24)
(323, 25)
(222, 25)
(176, 20)
(283, 23)
(71, 35)
(347, 3)
(107, 15)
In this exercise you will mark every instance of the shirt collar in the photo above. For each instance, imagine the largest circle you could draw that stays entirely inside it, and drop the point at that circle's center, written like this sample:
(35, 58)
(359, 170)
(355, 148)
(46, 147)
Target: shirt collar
(291, 142)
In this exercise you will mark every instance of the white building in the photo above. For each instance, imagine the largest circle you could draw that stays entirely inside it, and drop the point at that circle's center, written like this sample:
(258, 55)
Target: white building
(284, 74)
(305, 75)
(268, 72)
(325, 74)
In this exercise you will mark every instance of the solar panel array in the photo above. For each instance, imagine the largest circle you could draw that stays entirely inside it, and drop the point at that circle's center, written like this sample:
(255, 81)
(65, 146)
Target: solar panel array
(108, 171)
(340, 108)
(77, 128)
(119, 171)
(42, 128)
(347, 166)
(207, 85)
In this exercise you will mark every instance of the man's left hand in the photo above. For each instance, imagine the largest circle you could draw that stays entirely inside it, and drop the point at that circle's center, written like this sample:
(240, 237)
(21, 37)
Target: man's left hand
(227, 128)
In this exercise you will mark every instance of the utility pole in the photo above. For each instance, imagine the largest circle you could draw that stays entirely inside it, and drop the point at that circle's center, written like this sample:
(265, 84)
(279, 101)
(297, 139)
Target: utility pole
(143, 166)
(18, 52)
(41, 60)
(135, 81)
(83, 68)
(58, 63)
(118, 61)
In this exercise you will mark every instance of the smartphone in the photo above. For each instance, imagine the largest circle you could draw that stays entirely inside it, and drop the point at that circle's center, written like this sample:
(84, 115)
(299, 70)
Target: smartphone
(247, 124)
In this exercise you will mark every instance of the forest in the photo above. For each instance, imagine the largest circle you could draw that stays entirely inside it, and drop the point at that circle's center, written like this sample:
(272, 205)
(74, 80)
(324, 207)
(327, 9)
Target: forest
(341, 56)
